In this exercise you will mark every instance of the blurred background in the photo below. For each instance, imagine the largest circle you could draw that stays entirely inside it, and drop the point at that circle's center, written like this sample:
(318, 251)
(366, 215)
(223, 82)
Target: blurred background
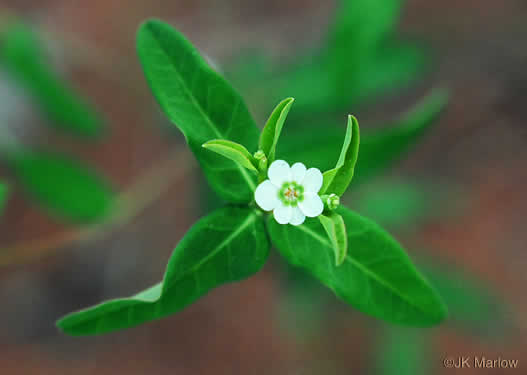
(97, 188)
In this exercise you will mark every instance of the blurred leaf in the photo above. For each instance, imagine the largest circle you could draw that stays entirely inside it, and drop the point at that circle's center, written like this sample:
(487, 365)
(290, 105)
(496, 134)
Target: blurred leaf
(358, 54)
(312, 84)
(381, 148)
(402, 351)
(271, 132)
(361, 57)
(360, 25)
(337, 180)
(227, 245)
(201, 103)
(336, 230)
(63, 186)
(390, 67)
(22, 55)
(3, 196)
(378, 149)
(397, 203)
(233, 151)
(472, 305)
(377, 277)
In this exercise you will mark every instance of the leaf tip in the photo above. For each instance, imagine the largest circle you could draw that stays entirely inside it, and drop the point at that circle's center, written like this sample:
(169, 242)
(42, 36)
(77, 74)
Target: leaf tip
(149, 22)
(61, 324)
(352, 119)
(440, 312)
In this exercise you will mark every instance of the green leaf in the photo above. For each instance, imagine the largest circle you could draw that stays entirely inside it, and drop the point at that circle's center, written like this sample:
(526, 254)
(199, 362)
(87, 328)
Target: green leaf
(271, 132)
(337, 180)
(64, 187)
(233, 151)
(225, 246)
(201, 103)
(3, 196)
(23, 56)
(335, 228)
(376, 277)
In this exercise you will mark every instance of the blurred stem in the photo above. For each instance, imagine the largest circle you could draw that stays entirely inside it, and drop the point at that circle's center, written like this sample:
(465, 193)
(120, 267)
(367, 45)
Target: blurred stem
(146, 189)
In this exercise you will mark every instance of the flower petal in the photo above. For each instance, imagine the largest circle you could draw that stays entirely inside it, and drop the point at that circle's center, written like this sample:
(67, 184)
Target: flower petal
(312, 205)
(283, 213)
(298, 171)
(279, 172)
(266, 196)
(298, 217)
(313, 180)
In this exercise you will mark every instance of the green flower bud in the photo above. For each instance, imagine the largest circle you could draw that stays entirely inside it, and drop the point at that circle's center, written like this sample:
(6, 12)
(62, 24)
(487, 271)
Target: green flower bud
(262, 160)
(331, 201)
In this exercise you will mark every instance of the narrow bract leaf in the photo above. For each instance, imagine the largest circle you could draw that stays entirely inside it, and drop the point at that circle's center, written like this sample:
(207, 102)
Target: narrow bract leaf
(273, 128)
(376, 277)
(63, 186)
(225, 246)
(233, 151)
(336, 180)
(23, 56)
(200, 103)
(336, 230)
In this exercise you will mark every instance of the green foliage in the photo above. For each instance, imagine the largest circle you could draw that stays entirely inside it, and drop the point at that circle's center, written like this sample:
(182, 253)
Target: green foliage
(233, 151)
(23, 56)
(271, 132)
(3, 196)
(374, 274)
(336, 180)
(376, 270)
(227, 245)
(360, 57)
(362, 54)
(335, 228)
(62, 186)
(201, 103)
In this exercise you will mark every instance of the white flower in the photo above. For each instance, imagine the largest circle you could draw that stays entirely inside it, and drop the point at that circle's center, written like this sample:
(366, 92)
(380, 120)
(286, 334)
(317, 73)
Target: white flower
(290, 192)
